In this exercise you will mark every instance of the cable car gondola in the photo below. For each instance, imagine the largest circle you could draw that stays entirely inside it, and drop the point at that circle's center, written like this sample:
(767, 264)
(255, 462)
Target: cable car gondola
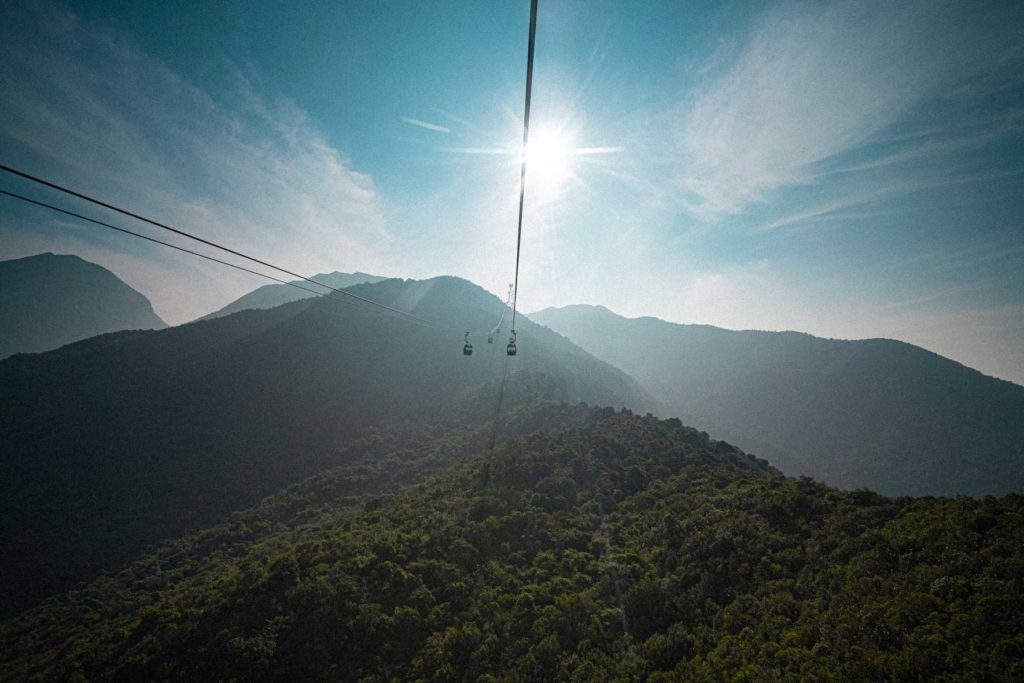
(467, 349)
(511, 348)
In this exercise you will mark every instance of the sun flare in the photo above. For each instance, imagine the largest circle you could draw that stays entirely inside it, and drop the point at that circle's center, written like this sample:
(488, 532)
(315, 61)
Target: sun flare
(549, 161)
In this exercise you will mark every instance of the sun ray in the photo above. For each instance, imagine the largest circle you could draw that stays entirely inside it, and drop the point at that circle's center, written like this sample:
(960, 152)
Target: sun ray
(549, 161)
(552, 158)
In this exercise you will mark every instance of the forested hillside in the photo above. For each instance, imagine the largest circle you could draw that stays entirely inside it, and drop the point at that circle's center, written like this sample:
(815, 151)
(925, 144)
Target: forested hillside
(49, 300)
(876, 413)
(606, 546)
(120, 441)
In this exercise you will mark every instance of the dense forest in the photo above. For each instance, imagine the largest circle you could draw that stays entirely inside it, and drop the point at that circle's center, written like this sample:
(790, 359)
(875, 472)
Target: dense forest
(589, 544)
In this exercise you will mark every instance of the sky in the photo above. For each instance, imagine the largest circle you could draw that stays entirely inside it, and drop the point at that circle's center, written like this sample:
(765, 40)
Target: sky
(847, 169)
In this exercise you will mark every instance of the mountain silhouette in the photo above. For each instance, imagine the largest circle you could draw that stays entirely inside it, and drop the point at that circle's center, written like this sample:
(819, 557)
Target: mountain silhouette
(876, 413)
(49, 300)
(269, 296)
(119, 441)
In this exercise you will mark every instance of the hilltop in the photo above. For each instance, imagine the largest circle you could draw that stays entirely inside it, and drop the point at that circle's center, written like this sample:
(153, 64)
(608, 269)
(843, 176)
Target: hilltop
(269, 296)
(49, 300)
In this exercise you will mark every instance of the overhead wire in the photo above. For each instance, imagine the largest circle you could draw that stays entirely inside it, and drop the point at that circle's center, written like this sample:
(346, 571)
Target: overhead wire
(131, 214)
(504, 309)
(514, 289)
(526, 139)
(104, 224)
(183, 233)
(152, 239)
(519, 231)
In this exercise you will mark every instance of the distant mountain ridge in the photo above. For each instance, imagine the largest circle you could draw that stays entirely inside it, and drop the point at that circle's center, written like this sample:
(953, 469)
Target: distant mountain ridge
(49, 300)
(118, 441)
(877, 413)
(269, 296)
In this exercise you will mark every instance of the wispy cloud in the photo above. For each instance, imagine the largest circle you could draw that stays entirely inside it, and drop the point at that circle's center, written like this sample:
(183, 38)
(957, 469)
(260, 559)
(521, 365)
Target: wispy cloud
(425, 124)
(586, 151)
(91, 109)
(815, 81)
(505, 151)
(829, 208)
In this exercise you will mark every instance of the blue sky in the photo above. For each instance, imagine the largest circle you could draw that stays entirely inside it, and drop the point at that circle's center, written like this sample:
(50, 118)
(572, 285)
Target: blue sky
(846, 169)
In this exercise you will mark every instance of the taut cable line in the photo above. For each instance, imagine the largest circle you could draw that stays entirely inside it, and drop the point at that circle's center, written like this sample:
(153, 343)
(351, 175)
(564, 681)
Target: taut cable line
(79, 216)
(94, 221)
(522, 168)
(215, 245)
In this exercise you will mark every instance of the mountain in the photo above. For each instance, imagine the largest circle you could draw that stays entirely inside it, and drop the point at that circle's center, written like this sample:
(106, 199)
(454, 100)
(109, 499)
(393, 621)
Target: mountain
(589, 545)
(49, 300)
(269, 296)
(875, 413)
(122, 440)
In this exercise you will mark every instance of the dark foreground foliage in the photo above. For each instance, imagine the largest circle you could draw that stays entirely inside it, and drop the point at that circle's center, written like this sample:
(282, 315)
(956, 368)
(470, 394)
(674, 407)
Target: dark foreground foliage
(611, 547)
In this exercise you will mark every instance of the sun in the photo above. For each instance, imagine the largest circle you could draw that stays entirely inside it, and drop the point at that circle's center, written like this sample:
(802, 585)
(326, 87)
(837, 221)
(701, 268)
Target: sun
(549, 162)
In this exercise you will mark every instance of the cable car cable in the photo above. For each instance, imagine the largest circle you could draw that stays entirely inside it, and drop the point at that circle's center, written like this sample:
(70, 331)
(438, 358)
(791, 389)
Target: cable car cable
(519, 231)
(151, 239)
(173, 246)
(207, 242)
(51, 207)
(504, 309)
(522, 168)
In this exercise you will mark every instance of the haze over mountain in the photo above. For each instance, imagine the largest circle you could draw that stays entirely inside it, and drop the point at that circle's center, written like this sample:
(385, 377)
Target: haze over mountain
(877, 413)
(49, 300)
(269, 296)
(119, 441)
